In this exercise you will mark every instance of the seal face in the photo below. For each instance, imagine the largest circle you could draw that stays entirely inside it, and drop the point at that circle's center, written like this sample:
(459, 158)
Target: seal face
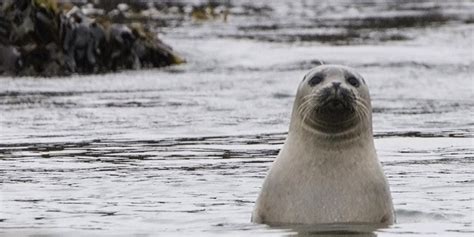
(327, 170)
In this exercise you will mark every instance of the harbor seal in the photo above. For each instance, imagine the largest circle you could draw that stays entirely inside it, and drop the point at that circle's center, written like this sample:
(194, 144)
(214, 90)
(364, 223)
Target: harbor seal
(328, 170)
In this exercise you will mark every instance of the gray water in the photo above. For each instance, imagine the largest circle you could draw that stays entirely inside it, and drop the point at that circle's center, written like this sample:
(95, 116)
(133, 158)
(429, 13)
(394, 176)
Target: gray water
(183, 150)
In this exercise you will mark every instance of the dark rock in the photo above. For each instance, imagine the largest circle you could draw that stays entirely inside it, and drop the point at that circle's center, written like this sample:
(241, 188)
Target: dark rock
(38, 39)
(10, 61)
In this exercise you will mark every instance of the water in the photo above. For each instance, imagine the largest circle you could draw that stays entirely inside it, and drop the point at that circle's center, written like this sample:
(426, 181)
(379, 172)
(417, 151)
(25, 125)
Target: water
(184, 150)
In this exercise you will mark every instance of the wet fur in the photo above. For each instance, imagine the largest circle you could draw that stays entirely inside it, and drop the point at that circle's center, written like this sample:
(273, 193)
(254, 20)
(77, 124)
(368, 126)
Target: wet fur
(327, 170)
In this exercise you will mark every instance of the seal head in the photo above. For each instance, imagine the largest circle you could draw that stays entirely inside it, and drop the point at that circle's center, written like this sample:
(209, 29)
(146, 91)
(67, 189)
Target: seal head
(332, 99)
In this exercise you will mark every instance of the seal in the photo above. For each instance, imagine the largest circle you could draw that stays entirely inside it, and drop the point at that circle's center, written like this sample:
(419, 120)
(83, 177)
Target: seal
(328, 170)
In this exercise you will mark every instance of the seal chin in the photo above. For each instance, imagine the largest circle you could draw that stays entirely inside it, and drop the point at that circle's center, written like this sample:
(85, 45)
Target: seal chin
(334, 116)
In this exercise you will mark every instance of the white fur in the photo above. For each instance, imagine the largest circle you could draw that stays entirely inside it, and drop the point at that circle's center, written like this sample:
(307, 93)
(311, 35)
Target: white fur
(322, 178)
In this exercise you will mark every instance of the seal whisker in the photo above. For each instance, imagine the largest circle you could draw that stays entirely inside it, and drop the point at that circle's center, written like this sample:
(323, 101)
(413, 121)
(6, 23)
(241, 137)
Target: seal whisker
(363, 108)
(304, 107)
(305, 100)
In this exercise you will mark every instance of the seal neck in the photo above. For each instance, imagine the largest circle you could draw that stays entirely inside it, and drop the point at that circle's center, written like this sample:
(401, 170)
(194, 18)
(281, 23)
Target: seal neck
(353, 131)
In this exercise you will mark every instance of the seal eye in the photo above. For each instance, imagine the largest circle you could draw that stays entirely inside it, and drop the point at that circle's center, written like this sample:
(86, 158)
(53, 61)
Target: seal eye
(315, 80)
(353, 81)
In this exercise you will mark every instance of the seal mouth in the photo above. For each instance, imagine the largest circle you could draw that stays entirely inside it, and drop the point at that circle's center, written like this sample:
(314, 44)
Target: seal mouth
(339, 101)
(336, 105)
(332, 109)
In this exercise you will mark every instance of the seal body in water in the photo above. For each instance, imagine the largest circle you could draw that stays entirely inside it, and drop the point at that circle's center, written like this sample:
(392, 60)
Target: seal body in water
(327, 170)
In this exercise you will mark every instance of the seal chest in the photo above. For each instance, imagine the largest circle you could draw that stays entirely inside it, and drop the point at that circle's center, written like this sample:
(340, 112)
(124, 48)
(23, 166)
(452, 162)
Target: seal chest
(327, 170)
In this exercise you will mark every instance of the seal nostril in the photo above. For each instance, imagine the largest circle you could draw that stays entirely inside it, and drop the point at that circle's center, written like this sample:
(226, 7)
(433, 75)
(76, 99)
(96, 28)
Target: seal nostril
(336, 84)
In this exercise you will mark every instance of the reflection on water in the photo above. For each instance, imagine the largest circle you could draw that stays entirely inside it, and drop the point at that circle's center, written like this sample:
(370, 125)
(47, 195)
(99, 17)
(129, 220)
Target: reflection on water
(184, 150)
(333, 230)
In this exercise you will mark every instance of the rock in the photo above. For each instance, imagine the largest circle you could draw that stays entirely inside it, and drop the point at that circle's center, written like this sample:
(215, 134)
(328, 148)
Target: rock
(40, 39)
(122, 55)
(10, 61)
